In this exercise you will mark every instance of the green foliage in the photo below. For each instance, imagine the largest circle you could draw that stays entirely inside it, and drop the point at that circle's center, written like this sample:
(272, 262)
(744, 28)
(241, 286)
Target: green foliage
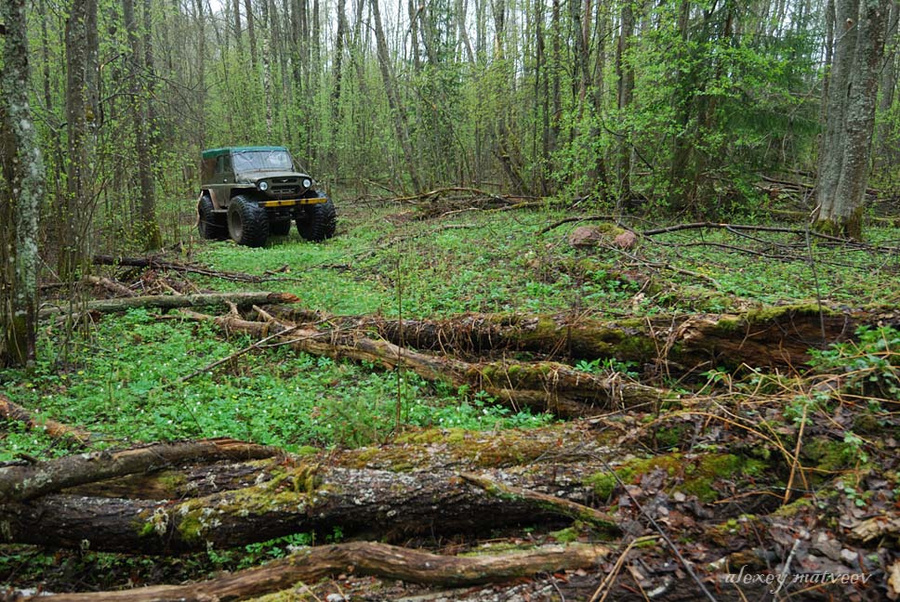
(869, 366)
(126, 387)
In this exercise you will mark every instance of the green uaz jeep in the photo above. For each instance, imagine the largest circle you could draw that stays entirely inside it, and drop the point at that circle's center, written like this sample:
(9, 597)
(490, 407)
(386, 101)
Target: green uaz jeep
(250, 192)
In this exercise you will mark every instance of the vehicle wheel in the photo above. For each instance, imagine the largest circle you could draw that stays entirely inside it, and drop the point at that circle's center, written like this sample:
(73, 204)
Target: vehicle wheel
(210, 224)
(248, 223)
(280, 228)
(319, 223)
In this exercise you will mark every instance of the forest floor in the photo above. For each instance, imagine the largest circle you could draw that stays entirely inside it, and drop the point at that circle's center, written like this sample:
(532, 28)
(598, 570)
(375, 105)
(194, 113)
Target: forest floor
(763, 466)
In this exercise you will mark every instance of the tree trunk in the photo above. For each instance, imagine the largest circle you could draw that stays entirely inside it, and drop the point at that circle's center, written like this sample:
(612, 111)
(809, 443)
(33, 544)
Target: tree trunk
(73, 235)
(251, 33)
(852, 95)
(360, 558)
(777, 337)
(398, 113)
(245, 299)
(23, 175)
(541, 386)
(625, 93)
(367, 503)
(148, 227)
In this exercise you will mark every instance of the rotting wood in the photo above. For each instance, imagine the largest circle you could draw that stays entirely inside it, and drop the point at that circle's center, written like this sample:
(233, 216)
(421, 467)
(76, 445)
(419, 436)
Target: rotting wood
(53, 429)
(360, 558)
(157, 263)
(541, 386)
(364, 503)
(21, 483)
(769, 337)
(243, 299)
(544, 501)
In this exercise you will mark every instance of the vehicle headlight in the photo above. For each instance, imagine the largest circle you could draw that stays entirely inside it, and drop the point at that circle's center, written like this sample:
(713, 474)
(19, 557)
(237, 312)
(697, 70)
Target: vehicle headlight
(307, 183)
(264, 186)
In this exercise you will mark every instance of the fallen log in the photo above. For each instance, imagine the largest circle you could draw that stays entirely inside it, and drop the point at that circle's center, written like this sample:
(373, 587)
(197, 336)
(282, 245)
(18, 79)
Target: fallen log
(541, 386)
(156, 263)
(242, 299)
(53, 429)
(769, 337)
(371, 504)
(360, 558)
(22, 483)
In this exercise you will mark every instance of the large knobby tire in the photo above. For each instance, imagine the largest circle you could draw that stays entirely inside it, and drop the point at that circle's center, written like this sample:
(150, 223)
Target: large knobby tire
(210, 224)
(248, 223)
(319, 223)
(282, 228)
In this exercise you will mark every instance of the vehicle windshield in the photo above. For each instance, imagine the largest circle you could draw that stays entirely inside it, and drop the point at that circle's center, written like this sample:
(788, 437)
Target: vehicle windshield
(262, 160)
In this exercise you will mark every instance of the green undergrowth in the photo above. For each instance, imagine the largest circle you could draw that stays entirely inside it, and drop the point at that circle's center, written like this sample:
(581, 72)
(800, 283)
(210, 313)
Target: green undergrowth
(124, 383)
(485, 261)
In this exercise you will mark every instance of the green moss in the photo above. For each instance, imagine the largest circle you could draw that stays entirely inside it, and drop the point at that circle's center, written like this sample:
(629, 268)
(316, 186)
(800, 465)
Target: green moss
(828, 455)
(569, 534)
(171, 480)
(696, 475)
(794, 508)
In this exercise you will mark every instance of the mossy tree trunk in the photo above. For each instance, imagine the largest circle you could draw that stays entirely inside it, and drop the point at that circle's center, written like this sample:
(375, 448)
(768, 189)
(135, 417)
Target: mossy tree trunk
(775, 337)
(543, 386)
(23, 181)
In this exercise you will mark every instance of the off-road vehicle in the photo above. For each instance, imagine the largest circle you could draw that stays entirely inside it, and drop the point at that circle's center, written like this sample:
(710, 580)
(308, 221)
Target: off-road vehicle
(250, 192)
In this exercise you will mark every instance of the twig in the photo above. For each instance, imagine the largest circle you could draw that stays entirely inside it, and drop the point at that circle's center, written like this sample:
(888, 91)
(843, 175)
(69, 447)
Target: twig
(655, 525)
(546, 502)
(234, 355)
(620, 561)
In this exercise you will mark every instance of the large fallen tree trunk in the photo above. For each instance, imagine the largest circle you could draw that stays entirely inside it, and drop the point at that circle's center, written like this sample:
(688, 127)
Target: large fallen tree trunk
(367, 493)
(243, 299)
(360, 558)
(773, 337)
(541, 386)
(375, 504)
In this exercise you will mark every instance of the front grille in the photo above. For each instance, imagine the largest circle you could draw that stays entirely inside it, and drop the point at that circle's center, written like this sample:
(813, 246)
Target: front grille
(284, 192)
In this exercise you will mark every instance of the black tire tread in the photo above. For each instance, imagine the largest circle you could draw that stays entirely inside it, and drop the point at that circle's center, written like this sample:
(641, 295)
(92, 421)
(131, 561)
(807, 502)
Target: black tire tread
(210, 224)
(320, 222)
(254, 222)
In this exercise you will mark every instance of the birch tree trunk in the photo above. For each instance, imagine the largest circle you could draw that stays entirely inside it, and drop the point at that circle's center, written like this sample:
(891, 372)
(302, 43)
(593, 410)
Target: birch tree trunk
(23, 173)
(852, 94)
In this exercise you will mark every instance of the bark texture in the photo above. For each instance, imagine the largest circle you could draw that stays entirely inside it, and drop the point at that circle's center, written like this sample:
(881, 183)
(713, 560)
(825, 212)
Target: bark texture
(541, 386)
(245, 299)
(851, 101)
(23, 178)
(774, 337)
(360, 558)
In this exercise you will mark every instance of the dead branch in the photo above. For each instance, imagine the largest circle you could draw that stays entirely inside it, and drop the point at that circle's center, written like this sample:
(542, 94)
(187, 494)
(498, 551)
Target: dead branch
(160, 264)
(21, 483)
(360, 558)
(53, 429)
(568, 508)
(568, 220)
(244, 299)
(117, 288)
(542, 386)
